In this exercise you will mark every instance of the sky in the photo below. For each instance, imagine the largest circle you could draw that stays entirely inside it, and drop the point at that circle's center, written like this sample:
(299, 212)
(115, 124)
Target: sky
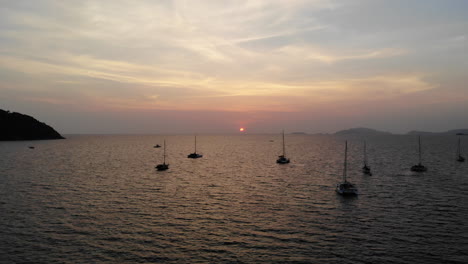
(183, 66)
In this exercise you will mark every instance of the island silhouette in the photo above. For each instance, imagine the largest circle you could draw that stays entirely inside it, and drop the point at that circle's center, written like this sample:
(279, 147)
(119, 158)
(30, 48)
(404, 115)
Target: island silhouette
(16, 126)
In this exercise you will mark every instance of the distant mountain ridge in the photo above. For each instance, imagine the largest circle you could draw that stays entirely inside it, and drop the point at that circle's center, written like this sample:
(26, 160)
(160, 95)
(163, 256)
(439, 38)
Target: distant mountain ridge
(460, 131)
(361, 131)
(16, 126)
(370, 131)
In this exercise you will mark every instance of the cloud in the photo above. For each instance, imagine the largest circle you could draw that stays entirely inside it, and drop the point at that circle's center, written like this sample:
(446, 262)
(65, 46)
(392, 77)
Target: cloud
(327, 56)
(157, 88)
(245, 56)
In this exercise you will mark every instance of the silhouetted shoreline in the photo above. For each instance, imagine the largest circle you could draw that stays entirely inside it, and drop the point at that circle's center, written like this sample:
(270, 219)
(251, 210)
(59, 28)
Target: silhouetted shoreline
(16, 126)
(370, 131)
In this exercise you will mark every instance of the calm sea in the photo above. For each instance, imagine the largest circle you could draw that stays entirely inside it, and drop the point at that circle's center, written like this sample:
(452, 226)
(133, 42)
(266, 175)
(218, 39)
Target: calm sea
(98, 199)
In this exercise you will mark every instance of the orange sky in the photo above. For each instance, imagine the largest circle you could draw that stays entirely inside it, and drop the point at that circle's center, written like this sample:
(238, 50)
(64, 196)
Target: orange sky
(314, 66)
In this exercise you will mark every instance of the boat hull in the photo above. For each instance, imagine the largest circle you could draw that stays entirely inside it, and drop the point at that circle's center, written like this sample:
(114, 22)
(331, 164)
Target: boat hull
(347, 193)
(162, 167)
(418, 168)
(282, 160)
(366, 170)
(346, 189)
(194, 156)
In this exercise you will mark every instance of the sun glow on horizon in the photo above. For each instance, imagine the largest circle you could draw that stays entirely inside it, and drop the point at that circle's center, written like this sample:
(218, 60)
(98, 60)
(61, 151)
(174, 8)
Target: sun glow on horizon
(180, 69)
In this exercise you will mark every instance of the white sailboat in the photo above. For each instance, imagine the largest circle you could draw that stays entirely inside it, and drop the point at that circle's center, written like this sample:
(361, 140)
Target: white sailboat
(366, 169)
(346, 188)
(460, 158)
(163, 166)
(282, 158)
(194, 155)
(419, 167)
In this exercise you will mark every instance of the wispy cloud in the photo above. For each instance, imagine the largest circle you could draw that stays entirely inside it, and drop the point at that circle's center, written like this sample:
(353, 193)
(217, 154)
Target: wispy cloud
(327, 56)
(227, 55)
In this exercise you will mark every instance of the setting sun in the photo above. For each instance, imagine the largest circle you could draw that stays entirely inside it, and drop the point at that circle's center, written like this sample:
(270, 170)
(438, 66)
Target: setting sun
(241, 129)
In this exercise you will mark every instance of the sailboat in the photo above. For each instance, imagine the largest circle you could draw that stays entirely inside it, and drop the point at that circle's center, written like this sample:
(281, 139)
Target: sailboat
(460, 158)
(164, 166)
(194, 155)
(366, 168)
(419, 167)
(346, 188)
(282, 158)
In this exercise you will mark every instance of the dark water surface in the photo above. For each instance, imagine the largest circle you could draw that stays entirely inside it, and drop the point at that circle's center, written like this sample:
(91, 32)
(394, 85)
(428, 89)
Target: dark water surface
(98, 199)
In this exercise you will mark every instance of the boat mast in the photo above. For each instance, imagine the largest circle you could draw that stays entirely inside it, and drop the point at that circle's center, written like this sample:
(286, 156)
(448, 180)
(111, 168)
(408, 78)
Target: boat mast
(365, 155)
(284, 149)
(458, 149)
(345, 160)
(419, 139)
(164, 155)
(195, 143)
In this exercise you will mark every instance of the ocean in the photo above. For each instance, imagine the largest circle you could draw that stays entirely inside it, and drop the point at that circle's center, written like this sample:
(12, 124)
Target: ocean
(99, 199)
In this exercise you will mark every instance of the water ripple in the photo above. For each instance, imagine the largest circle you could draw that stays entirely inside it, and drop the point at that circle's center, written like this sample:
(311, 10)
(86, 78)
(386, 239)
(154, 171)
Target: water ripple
(98, 199)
